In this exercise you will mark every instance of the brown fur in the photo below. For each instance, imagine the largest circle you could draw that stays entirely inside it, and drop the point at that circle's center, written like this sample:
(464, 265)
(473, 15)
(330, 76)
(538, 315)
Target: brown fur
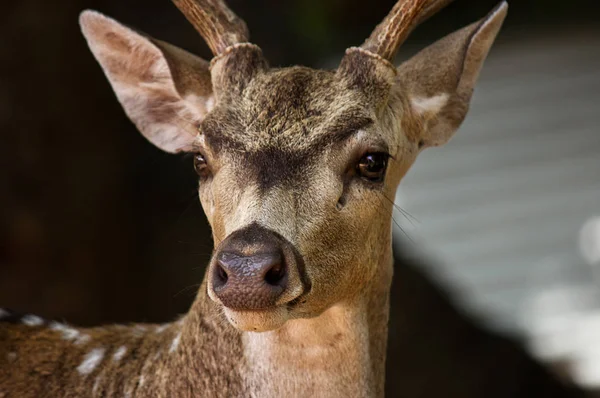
(38, 361)
(282, 147)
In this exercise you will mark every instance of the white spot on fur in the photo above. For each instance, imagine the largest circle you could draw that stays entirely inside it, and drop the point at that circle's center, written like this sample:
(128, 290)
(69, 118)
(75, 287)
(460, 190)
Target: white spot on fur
(430, 105)
(90, 361)
(161, 328)
(11, 356)
(142, 380)
(139, 330)
(119, 354)
(175, 343)
(4, 313)
(83, 339)
(68, 333)
(32, 320)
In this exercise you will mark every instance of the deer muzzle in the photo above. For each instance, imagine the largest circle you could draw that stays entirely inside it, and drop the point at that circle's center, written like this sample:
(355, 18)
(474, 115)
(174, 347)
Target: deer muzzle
(255, 269)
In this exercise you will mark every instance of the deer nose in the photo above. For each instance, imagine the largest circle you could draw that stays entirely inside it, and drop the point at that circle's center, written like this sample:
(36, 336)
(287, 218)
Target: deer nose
(250, 281)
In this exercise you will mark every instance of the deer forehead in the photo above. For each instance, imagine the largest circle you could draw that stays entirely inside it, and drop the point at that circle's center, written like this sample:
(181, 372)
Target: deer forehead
(293, 110)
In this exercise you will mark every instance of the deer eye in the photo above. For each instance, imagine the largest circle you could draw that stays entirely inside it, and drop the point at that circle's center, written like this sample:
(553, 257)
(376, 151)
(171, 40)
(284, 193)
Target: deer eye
(372, 166)
(200, 165)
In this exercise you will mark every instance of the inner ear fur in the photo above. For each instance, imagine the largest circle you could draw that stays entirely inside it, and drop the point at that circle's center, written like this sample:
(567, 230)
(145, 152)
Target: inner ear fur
(439, 80)
(164, 90)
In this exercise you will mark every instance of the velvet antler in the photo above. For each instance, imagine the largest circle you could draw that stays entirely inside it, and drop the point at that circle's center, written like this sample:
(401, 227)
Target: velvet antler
(395, 28)
(215, 22)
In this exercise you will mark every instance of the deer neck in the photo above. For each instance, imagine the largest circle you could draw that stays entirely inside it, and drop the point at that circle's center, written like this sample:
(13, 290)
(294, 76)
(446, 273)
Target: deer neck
(339, 353)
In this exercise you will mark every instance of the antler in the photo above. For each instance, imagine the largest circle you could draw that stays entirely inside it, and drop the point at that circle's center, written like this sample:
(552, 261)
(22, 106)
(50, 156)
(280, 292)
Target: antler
(217, 24)
(395, 28)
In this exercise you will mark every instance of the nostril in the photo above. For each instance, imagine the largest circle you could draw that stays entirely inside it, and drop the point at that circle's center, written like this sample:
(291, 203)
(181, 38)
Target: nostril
(276, 274)
(221, 276)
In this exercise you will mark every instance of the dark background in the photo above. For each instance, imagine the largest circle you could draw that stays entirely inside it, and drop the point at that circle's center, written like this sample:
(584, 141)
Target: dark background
(97, 225)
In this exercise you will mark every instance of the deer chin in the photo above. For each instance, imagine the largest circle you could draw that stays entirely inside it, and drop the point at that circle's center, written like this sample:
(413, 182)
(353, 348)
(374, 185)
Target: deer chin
(257, 320)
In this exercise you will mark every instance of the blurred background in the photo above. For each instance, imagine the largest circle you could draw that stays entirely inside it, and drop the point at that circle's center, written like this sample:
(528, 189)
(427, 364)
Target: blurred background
(97, 225)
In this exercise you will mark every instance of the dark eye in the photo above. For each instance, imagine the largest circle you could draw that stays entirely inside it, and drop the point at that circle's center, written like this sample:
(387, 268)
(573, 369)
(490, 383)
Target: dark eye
(372, 166)
(200, 164)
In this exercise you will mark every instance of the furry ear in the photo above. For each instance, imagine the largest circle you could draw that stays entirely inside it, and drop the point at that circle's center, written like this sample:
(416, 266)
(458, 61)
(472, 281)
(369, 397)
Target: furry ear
(164, 90)
(439, 80)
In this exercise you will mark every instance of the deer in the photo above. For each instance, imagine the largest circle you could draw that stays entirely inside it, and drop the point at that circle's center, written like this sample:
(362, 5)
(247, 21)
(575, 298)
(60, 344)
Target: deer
(295, 168)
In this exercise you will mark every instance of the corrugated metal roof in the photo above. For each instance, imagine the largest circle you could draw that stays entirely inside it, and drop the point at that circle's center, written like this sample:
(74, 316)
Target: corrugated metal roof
(502, 205)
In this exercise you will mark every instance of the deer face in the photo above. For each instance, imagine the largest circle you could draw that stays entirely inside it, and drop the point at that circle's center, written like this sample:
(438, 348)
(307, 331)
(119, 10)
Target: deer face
(297, 176)
(297, 167)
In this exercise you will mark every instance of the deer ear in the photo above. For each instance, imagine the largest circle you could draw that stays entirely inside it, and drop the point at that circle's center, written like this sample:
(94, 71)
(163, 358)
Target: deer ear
(439, 80)
(164, 90)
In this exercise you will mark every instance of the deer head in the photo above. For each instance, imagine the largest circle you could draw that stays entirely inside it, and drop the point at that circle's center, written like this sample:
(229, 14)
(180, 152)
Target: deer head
(296, 166)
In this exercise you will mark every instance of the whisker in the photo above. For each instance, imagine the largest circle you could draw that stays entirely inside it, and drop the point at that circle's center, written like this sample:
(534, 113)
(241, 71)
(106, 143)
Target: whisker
(197, 285)
(405, 213)
(396, 222)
